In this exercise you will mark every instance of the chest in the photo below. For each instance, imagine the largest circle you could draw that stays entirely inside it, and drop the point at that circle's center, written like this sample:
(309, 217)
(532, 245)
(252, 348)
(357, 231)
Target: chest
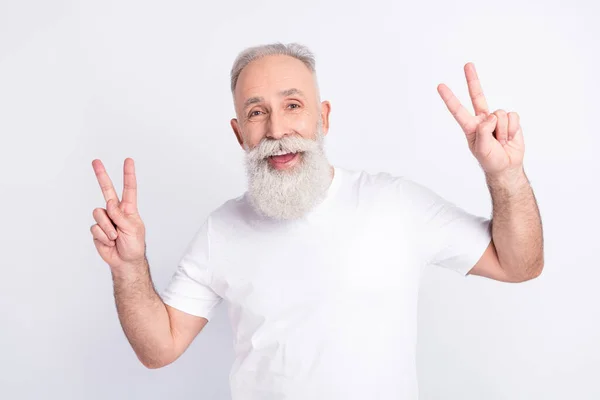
(349, 264)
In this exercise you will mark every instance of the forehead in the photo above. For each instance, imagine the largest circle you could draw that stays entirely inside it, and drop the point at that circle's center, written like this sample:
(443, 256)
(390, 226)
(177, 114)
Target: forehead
(270, 75)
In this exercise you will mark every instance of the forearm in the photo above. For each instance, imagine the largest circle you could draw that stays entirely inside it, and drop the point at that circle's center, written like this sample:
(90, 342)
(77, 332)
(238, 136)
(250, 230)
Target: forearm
(516, 224)
(143, 315)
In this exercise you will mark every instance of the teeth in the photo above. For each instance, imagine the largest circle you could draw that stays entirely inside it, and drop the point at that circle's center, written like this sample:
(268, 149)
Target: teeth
(279, 153)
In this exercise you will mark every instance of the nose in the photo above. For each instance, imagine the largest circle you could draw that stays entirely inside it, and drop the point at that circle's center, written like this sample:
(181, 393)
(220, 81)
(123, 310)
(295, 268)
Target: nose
(277, 126)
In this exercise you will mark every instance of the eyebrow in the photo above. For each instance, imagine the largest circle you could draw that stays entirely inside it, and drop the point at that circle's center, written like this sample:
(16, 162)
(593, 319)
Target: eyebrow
(283, 93)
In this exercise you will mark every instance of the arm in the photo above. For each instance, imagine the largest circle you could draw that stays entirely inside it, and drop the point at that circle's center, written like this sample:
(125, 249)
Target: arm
(158, 333)
(516, 252)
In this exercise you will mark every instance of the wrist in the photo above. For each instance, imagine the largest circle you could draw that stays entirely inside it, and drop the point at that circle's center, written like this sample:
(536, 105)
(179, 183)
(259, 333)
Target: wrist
(130, 270)
(510, 180)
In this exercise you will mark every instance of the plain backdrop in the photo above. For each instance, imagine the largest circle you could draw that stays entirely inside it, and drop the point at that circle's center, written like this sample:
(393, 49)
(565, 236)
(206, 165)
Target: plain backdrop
(150, 80)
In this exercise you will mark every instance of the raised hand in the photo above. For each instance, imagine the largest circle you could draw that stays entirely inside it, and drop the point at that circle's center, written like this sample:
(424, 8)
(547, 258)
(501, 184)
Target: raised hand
(496, 140)
(119, 233)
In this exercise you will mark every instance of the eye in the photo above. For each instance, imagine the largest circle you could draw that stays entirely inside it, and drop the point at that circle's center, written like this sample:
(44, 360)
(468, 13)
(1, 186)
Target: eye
(252, 114)
(294, 104)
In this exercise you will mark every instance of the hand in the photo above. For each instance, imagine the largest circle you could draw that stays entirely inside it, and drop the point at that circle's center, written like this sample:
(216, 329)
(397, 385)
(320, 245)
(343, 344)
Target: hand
(119, 233)
(496, 140)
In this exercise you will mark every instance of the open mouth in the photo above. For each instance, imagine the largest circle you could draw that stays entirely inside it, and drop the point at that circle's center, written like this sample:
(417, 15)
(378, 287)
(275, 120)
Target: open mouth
(283, 160)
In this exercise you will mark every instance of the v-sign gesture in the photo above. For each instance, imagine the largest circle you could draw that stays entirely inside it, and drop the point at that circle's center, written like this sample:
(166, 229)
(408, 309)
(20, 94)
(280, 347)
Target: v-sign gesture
(496, 140)
(119, 233)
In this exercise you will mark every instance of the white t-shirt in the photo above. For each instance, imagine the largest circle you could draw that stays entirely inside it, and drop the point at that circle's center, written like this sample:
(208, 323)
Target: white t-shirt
(325, 307)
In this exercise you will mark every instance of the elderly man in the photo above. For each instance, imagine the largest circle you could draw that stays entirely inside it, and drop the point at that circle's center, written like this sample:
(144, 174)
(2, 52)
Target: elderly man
(319, 264)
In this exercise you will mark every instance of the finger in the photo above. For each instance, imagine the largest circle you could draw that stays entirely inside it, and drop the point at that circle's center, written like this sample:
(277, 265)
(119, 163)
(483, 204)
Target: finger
(99, 235)
(501, 126)
(485, 132)
(475, 90)
(460, 113)
(514, 122)
(129, 187)
(102, 219)
(116, 214)
(106, 185)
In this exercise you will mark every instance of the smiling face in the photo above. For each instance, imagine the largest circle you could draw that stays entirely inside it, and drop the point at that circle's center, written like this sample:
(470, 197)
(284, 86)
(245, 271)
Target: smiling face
(281, 125)
(276, 96)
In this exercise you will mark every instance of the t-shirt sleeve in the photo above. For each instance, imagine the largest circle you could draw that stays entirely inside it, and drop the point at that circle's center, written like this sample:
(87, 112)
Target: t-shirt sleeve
(189, 289)
(448, 236)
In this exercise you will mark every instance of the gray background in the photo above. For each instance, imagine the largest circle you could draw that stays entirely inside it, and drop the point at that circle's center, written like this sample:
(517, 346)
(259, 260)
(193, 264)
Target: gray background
(149, 80)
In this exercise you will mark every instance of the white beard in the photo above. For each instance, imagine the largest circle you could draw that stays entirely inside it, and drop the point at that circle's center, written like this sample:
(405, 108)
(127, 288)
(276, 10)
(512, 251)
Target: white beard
(288, 193)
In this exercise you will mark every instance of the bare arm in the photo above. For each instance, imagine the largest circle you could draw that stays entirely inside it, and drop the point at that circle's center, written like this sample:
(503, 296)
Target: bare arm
(496, 140)
(143, 315)
(158, 333)
(517, 225)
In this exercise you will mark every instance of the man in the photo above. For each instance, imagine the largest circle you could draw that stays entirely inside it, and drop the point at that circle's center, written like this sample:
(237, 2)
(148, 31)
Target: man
(319, 264)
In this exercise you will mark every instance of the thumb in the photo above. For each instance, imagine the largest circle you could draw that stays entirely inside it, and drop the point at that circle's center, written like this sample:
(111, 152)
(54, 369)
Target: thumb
(115, 213)
(485, 131)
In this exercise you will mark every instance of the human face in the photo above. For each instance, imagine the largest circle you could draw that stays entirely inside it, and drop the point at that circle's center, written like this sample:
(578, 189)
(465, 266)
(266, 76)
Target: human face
(277, 96)
(276, 102)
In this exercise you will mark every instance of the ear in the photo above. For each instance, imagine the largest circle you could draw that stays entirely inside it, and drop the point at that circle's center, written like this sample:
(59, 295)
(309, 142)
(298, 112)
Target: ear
(236, 129)
(325, 110)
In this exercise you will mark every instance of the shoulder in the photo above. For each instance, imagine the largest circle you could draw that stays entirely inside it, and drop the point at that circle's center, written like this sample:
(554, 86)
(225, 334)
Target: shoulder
(400, 192)
(376, 193)
(230, 212)
(368, 180)
(381, 184)
(401, 187)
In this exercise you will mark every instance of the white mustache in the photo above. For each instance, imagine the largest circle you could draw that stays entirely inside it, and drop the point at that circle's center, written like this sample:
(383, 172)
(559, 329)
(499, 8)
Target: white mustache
(287, 144)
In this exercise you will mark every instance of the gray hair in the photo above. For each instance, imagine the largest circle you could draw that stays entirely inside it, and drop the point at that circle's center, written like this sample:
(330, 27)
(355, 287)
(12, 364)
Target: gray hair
(295, 50)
